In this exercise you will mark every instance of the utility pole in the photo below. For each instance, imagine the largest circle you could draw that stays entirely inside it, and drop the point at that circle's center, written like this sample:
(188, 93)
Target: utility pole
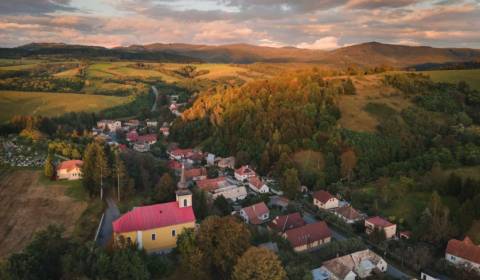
(101, 184)
(118, 185)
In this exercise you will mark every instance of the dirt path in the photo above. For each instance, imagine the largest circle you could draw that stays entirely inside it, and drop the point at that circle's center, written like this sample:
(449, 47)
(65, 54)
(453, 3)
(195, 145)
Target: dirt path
(28, 206)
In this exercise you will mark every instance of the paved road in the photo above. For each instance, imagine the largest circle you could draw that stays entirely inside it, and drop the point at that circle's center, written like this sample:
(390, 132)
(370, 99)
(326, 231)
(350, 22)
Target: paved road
(155, 91)
(106, 230)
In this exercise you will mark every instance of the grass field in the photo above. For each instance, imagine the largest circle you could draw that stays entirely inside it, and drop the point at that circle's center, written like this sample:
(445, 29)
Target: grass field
(472, 77)
(52, 104)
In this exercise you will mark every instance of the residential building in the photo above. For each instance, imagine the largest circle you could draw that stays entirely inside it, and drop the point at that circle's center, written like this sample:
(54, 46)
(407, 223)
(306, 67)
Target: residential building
(308, 237)
(210, 184)
(463, 253)
(244, 172)
(255, 214)
(148, 138)
(111, 125)
(286, 222)
(381, 224)
(210, 159)
(348, 214)
(151, 123)
(196, 174)
(179, 154)
(156, 227)
(257, 185)
(231, 192)
(165, 130)
(228, 162)
(132, 136)
(324, 200)
(70, 170)
(141, 147)
(278, 201)
(358, 265)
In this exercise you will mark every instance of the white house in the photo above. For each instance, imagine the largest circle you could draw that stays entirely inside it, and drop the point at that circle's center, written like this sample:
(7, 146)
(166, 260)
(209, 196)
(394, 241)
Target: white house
(110, 124)
(324, 200)
(70, 170)
(257, 185)
(463, 253)
(380, 224)
(151, 123)
(141, 147)
(255, 214)
(232, 192)
(360, 265)
(244, 173)
(228, 162)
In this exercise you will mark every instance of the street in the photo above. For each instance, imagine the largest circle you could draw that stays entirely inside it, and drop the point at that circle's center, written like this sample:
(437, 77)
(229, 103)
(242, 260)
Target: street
(106, 229)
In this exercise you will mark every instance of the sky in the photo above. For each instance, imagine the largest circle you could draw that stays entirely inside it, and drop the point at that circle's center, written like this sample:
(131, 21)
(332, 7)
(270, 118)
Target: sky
(312, 24)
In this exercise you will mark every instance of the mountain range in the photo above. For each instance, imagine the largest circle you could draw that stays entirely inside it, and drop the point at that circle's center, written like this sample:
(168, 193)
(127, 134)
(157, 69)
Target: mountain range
(366, 54)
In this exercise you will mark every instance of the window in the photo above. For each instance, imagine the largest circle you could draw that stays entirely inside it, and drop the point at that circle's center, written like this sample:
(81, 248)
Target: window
(173, 233)
(154, 236)
(185, 203)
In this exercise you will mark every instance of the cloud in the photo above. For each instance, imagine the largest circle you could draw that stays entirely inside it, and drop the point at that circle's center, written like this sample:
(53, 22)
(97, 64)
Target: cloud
(325, 43)
(34, 6)
(375, 4)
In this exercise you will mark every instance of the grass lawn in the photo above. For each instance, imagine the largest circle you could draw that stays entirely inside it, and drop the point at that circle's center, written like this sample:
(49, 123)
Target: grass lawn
(467, 172)
(52, 104)
(471, 76)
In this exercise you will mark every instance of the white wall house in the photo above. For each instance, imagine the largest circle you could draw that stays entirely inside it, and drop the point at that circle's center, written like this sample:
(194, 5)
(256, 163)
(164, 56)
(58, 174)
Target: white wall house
(70, 170)
(257, 185)
(324, 200)
(463, 253)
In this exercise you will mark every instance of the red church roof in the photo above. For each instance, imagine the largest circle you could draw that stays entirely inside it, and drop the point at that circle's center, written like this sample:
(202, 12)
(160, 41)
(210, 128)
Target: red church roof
(308, 234)
(70, 164)
(323, 196)
(465, 249)
(153, 216)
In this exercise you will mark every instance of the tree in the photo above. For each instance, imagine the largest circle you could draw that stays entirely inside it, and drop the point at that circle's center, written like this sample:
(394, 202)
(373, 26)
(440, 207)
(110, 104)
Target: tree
(199, 201)
(120, 174)
(222, 206)
(349, 88)
(165, 188)
(95, 168)
(222, 241)
(191, 258)
(348, 163)
(76, 154)
(258, 264)
(291, 184)
(48, 169)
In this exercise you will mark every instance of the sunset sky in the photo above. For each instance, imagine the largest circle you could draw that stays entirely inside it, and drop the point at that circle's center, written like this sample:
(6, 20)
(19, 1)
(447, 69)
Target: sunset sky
(315, 24)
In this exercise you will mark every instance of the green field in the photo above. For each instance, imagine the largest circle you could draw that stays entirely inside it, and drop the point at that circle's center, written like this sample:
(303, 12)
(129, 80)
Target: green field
(472, 77)
(52, 104)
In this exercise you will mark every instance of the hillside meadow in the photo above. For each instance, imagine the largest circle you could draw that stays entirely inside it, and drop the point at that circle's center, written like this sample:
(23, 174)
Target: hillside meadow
(471, 76)
(52, 104)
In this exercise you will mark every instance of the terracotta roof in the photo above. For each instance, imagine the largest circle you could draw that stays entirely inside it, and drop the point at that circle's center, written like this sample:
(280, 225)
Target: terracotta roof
(308, 234)
(147, 138)
(465, 249)
(322, 196)
(173, 164)
(348, 212)
(210, 184)
(195, 172)
(255, 211)
(245, 170)
(153, 216)
(256, 182)
(379, 222)
(70, 164)
(286, 222)
(132, 136)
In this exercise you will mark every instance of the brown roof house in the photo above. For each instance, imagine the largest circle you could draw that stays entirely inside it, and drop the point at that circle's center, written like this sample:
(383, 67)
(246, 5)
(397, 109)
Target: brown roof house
(379, 223)
(358, 265)
(286, 222)
(348, 214)
(324, 200)
(255, 214)
(308, 237)
(257, 185)
(463, 252)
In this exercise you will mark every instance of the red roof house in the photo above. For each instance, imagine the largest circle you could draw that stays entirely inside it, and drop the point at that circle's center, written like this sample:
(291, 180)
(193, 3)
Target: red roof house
(210, 184)
(286, 222)
(244, 172)
(463, 252)
(379, 223)
(257, 185)
(309, 236)
(132, 136)
(325, 200)
(255, 214)
(196, 174)
(180, 153)
(147, 138)
(70, 169)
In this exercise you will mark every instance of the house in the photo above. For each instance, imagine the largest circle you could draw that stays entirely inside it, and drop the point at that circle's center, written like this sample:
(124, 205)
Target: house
(210, 184)
(463, 252)
(165, 130)
(132, 123)
(324, 200)
(381, 224)
(348, 214)
(132, 136)
(148, 138)
(244, 172)
(255, 214)
(406, 234)
(156, 227)
(286, 222)
(111, 125)
(308, 237)
(228, 162)
(141, 147)
(196, 174)
(175, 166)
(179, 154)
(151, 123)
(257, 185)
(229, 191)
(70, 170)
(358, 265)
(210, 159)
(429, 275)
(278, 201)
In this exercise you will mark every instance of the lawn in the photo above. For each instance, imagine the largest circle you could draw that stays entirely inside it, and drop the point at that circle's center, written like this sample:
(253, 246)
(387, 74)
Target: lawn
(467, 172)
(52, 104)
(472, 76)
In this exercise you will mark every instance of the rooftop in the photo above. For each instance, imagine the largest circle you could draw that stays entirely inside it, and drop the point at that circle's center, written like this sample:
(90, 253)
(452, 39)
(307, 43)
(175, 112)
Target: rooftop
(322, 196)
(308, 233)
(465, 249)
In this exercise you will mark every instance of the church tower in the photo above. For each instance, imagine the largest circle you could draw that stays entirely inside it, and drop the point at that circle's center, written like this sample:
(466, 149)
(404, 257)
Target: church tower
(183, 194)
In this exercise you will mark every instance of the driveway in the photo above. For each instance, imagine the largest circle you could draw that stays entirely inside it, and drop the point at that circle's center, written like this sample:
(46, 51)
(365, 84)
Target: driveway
(106, 229)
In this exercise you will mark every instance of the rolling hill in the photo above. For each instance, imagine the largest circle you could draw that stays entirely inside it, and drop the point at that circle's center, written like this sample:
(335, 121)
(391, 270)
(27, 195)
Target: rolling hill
(366, 54)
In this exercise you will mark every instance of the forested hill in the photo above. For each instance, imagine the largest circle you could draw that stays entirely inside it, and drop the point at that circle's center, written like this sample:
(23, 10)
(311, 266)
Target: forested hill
(78, 51)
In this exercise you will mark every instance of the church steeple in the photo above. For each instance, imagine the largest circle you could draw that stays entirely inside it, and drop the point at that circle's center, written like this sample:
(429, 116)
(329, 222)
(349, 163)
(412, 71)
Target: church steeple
(183, 194)
(182, 184)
